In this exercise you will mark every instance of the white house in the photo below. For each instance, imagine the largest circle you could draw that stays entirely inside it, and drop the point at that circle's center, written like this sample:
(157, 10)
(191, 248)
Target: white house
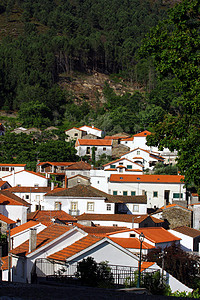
(139, 141)
(119, 220)
(146, 158)
(8, 169)
(190, 237)
(33, 195)
(74, 134)
(13, 207)
(26, 178)
(101, 146)
(158, 188)
(123, 165)
(92, 130)
(86, 199)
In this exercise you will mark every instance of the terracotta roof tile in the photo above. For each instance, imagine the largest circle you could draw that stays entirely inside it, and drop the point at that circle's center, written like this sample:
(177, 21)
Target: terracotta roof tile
(188, 231)
(7, 198)
(76, 247)
(131, 243)
(95, 142)
(13, 165)
(27, 171)
(23, 227)
(44, 237)
(157, 234)
(56, 163)
(28, 189)
(5, 262)
(6, 220)
(100, 230)
(113, 217)
(79, 165)
(146, 178)
(142, 134)
(2, 183)
(146, 264)
(47, 215)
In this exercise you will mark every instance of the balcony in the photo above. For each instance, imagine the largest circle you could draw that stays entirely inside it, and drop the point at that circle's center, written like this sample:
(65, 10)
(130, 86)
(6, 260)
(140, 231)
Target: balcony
(74, 212)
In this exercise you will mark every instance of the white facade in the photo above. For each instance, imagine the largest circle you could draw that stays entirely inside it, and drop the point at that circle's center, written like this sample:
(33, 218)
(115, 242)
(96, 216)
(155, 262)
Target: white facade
(92, 130)
(26, 178)
(186, 241)
(196, 215)
(15, 212)
(84, 147)
(8, 169)
(155, 191)
(78, 205)
(22, 236)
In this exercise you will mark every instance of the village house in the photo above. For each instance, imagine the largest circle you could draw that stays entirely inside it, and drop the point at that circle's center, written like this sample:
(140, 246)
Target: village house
(139, 140)
(33, 195)
(8, 169)
(146, 158)
(84, 147)
(86, 199)
(13, 207)
(74, 134)
(26, 178)
(119, 220)
(159, 189)
(92, 130)
(190, 238)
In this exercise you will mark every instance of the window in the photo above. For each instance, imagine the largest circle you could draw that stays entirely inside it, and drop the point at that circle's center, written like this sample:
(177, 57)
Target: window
(136, 208)
(18, 184)
(72, 173)
(112, 166)
(129, 166)
(109, 191)
(155, 194)
(125, 193)
(144, 192)
(95, 148)
(90, 206)
(75, 134)
(177, 195)
(132, 193)
(88, 150)
(36, 185)
(27, 197)
(121, 164)
(58, 205)
(104, 148)
(74, 205)
(138, 152)
(97, 182)
(132, 235)
(38, 197)
(121, 170)
(115, 225)
(108, 206)
(114, 193)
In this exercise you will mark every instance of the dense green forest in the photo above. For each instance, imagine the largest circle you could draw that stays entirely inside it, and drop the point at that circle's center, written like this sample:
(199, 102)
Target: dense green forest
(81, 36)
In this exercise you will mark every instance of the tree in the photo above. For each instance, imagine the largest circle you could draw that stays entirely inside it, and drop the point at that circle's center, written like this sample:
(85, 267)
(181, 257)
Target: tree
(93, 274)
(178, 263)
(174, 46)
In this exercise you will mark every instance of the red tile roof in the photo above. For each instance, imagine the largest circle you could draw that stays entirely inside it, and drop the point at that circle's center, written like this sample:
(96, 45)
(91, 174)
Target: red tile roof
(120, 159)
(55, 163)
(23, 227)
(128, 139)
(6, 219)
(75, 128)
(142, 134)
(75, 248)
(146, 264)
(131, 243)
(47, 215)
(28, 189)
(100, 230)
(44, 237)
(27, 171)
(146, 178)
(2, 183)
(114, 217)
(157, 234)
(95, 142)
(5, 262)
(7, 198)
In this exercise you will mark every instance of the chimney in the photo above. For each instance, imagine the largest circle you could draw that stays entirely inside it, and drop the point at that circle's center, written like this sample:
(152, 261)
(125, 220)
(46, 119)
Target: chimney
(18, 222)
(32, 239)
(66, 182)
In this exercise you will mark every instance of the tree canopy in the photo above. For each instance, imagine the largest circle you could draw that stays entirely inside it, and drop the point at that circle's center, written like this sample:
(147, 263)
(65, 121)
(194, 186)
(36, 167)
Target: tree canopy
(174, 46)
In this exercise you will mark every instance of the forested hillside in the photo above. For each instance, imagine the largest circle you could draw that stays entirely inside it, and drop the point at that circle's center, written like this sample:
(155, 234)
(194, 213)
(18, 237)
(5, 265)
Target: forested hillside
(52, 40)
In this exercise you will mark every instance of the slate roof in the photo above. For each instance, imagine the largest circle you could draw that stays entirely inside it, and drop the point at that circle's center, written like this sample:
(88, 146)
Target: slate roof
(188, 231)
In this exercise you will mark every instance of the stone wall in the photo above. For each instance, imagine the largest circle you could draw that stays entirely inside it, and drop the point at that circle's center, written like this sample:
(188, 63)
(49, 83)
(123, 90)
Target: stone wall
(177, 216)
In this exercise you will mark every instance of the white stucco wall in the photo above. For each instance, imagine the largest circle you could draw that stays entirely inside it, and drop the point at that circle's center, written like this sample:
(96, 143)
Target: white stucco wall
(186, 241)
(25, 178)
(90, 130)
(82, 150)
(32, 198)
(149, 188)
(14, 212)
